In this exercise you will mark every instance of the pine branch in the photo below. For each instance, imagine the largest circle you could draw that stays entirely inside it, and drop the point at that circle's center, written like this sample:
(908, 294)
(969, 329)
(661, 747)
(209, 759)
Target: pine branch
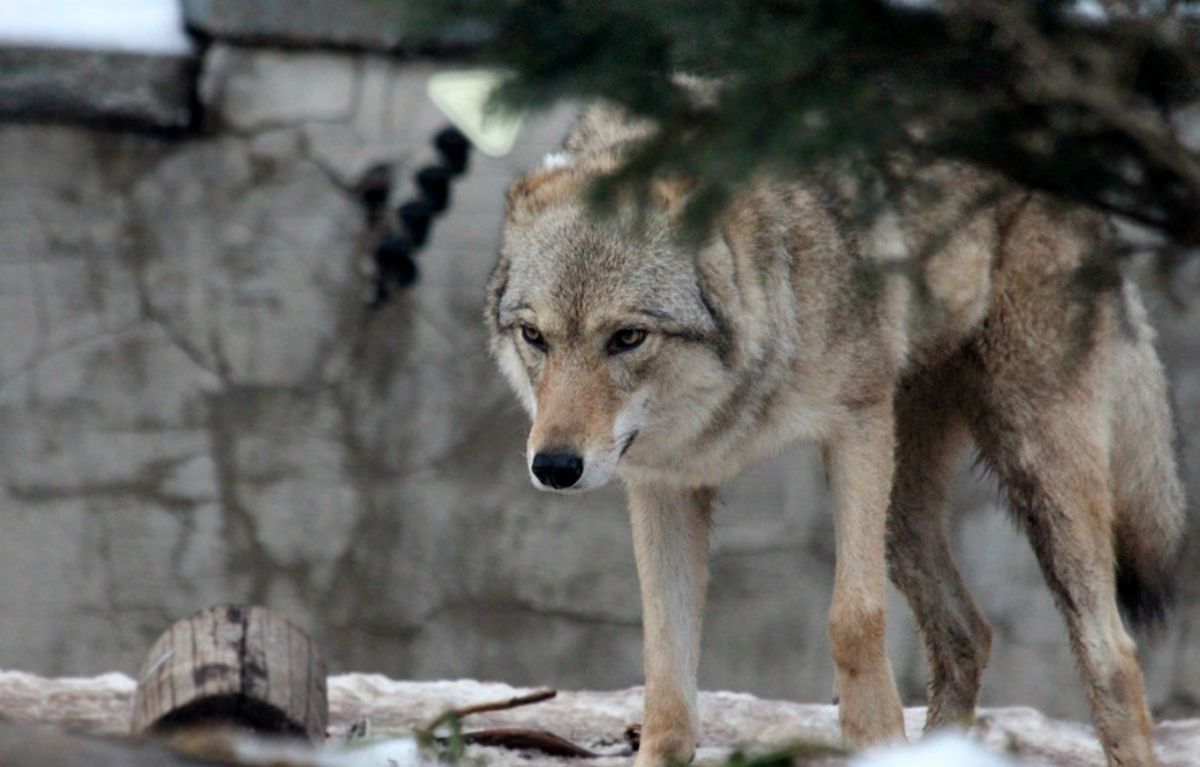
(1080, 106)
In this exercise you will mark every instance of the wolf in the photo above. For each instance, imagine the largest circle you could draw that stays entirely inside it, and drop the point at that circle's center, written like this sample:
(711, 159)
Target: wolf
(893, 341)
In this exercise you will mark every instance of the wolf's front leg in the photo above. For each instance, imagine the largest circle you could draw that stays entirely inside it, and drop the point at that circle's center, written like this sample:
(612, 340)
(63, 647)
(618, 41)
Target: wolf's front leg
(859, 459)
(670, 541)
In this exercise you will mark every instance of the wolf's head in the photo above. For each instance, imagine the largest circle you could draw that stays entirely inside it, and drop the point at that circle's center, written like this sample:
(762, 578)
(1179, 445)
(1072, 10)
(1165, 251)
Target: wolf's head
(606, 327)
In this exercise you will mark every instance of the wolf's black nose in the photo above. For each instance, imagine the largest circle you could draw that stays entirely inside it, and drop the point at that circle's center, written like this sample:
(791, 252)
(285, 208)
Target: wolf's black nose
(557, 470)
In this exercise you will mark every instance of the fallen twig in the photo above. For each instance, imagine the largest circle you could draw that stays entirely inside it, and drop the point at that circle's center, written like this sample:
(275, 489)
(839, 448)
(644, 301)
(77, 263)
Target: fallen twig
(519, 739)
(457, 714)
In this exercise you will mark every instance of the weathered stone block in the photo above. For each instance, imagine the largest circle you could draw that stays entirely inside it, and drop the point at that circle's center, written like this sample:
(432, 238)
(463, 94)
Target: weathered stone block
(253, 90)
(372, 24)
(111, 88)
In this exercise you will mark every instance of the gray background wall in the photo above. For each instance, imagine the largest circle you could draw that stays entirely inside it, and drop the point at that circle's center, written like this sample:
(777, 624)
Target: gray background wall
(197, 406)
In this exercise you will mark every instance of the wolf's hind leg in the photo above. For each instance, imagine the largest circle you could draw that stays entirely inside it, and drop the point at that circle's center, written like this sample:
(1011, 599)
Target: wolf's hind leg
(1056, 480)
(930, 434)
(1040, 411)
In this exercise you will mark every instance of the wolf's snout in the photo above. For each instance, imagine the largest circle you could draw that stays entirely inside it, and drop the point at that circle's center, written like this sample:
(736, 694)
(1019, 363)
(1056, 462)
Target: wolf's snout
(557, 470)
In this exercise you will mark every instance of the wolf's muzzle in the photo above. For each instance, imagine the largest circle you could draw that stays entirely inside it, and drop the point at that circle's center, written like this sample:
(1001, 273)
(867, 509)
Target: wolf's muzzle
(557, 470)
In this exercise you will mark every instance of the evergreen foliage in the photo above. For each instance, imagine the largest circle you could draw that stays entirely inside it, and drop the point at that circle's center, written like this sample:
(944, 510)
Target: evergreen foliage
(1080, 100)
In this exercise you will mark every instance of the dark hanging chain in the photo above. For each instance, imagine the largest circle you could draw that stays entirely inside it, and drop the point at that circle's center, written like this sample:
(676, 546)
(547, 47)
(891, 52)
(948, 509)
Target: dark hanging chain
(394, 255)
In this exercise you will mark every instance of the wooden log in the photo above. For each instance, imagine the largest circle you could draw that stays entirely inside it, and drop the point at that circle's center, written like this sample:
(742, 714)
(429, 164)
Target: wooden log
(233, 665)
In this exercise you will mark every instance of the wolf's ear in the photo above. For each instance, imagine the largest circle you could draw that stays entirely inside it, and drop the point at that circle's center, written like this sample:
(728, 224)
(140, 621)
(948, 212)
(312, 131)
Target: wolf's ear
(539, 190)
(496, 287)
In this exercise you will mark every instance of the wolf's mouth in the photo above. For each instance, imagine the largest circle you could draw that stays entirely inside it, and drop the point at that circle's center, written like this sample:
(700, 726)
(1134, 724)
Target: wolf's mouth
(628, 441)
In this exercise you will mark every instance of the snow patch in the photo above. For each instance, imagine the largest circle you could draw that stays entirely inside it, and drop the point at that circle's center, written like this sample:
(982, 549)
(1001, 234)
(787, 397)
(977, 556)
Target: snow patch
(396, 752)
(556, 160)
(935, 751)
(139, 26)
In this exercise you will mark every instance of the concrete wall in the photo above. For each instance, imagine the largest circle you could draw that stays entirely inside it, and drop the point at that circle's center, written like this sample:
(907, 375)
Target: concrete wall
(196, 405)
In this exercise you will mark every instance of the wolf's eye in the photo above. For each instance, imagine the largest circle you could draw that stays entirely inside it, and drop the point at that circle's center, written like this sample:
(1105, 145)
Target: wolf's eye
(626, 339)
(533, 336)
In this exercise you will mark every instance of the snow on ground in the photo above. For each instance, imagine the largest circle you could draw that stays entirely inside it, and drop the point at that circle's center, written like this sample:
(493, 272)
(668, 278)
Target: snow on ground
(141, 26)
(935, 751)
(387, 710)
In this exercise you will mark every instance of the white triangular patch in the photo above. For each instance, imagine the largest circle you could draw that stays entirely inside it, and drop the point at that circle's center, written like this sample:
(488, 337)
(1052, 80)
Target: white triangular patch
(462, 96)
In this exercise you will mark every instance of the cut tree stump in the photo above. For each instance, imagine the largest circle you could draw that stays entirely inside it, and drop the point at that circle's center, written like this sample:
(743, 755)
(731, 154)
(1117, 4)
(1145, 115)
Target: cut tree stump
(233, 665)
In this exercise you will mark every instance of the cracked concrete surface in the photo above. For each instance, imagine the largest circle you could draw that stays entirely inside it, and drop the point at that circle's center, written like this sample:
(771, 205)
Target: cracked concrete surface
(197, 406)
